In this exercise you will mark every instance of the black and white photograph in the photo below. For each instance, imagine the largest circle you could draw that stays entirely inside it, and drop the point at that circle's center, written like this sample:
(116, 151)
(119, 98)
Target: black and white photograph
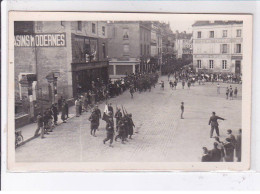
(129, 91)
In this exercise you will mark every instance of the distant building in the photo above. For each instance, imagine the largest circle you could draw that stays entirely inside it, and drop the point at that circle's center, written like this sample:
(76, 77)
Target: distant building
(183, 46)
(129, 48)
(156, 43)
(58, 58)
(218, 46)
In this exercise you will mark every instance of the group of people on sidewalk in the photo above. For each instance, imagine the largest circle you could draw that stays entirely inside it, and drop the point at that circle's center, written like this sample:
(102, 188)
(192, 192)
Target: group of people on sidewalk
(124, 124)
(222, 150)
(48, 120)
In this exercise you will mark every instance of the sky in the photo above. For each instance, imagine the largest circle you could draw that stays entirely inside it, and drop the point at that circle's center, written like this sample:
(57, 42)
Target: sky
(181, 25)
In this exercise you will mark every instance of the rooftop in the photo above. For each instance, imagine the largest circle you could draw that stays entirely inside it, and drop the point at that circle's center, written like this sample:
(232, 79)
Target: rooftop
(217, 22)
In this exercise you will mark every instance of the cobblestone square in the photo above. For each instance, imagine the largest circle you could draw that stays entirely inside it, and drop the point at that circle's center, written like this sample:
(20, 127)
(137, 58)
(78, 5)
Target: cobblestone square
(162, 136)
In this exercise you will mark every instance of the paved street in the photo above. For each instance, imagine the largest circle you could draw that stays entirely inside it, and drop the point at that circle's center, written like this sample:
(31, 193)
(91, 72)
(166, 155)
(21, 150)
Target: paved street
(162, 136)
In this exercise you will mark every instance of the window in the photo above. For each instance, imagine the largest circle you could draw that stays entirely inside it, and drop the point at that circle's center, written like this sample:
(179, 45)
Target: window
(224, 48)
(224, 64)
(199, 34)
(141, 49)
(93, 28)
(103, 30)
(224, 33)
(238, 48)
(211, 64)
(104, 50)
(125, 36)
(239, 32)
(199, 64)
(147, 49)
(62, 23)
(211, 34)
(126, 48)
(79, 25)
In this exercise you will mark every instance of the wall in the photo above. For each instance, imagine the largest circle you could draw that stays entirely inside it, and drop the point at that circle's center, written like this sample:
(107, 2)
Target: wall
(116, 41)
(206, 48)
(47, 59)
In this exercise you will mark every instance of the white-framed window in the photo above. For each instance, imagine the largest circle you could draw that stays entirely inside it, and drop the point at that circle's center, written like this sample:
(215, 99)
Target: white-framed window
(239, 32)
(211, 34)
(224, 33)
(238, 48)
(103, 30)
(224, 48)
(211, 64)
(224, 64)
(93, 28)
(199, 64)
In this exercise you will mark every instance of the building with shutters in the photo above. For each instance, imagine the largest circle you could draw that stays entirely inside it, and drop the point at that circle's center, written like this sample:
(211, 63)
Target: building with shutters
(218, 46)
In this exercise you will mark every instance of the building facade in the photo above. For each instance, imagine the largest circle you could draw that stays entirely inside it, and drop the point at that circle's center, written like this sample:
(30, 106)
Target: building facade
(183, 46)
(218, 46)
(129, 47)
(54, 59)
(156, 43)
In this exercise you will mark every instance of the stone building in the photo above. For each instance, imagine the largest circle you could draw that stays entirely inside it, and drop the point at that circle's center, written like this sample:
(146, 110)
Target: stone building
(129, 47)
(218, 46)
(58, 58)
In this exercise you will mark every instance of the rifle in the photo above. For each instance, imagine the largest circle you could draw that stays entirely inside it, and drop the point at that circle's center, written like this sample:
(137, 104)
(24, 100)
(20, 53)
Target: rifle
(123, 110)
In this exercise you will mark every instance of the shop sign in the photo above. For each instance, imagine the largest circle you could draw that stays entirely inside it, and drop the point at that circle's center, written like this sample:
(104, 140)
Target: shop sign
(40, 40)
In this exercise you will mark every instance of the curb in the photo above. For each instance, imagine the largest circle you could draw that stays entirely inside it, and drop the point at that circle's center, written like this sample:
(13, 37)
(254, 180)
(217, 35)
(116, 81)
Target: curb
(34, 137)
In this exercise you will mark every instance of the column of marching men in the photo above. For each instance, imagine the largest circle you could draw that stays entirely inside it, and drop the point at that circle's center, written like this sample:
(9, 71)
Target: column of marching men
(87, 101)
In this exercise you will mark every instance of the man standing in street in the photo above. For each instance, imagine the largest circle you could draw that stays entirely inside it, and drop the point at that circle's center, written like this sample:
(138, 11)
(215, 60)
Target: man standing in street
(110, 131)
(55, 113)
(182, 109)
(213, 121)
(183, 84)
(94, 119)
(218, 88)
(39, 126)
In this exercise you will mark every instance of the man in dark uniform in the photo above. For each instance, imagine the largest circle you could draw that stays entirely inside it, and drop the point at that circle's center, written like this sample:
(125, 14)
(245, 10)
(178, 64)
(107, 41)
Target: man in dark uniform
(110, 131)
(110, 109)
(131, 125)
(94, 119)
(98, 112)
(118, 116)
(55, 113)
(229, 150)
(213, 121)
(215, 153)
(232, 137)
(206, 156)
(121, 131)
